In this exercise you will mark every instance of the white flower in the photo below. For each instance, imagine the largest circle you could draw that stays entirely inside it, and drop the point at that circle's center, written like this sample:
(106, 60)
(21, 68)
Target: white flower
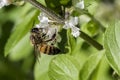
(43, 18)
(5, 3)
(45, 23)
(71, 23)
(80, 4)
(75, 32)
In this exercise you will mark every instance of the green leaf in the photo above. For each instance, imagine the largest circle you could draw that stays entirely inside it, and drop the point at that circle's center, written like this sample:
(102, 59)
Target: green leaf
(65, 2)
(112, 45)
(22, 49)
(42, 2)
(91, 28)
(90, 7)
(20, 31)
(90, 65)
(71, 41)
(56, 5)
(63, 67)
(89, 2)
(103, 71)
(74, 2)
(41, 68)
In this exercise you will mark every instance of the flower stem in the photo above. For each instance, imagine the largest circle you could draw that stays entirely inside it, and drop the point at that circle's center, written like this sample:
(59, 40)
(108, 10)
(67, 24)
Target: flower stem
(91, 41)
(61, 20)
(48, 11)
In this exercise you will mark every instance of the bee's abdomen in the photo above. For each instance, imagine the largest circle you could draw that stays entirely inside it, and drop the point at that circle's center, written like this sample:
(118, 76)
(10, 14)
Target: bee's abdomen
(50, 50)
(53, 50)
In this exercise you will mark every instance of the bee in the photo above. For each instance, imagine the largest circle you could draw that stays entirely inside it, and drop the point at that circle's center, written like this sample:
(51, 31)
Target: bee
(39, 39)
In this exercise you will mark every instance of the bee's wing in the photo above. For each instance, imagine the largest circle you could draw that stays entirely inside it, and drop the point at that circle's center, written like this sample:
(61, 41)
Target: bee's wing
(37, 53)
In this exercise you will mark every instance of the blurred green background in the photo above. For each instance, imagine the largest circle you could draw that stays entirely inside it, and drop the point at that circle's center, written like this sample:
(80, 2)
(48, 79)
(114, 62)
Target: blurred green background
(17, 66)
(16, 22)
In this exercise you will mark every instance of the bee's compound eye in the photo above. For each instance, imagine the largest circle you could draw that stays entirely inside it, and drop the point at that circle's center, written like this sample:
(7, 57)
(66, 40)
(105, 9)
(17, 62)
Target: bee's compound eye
(34, 30)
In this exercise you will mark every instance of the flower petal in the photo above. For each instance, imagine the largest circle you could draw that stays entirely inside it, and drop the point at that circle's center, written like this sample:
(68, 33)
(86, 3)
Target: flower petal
(71, 24)
(74, 20)
(5, 3)
(75, 33)
(80, 4)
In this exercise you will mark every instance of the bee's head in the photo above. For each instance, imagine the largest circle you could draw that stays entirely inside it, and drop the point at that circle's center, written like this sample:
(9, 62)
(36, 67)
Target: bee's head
(37, 30)
(34, 30)
(35, 36)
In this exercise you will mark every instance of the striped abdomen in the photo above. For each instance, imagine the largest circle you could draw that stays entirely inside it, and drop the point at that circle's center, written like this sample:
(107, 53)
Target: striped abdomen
(48, 49)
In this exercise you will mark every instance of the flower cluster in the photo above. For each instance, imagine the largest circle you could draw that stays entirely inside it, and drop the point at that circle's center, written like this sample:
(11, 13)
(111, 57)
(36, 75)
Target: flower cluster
(5, 3)
(46, 23)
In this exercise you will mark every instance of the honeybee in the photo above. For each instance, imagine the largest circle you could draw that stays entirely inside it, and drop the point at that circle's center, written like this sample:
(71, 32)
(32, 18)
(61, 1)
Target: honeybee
(39, 39)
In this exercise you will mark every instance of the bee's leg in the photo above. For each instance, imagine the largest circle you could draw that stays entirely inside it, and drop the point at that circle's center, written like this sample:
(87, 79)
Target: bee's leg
(52, 38)
(54, 41)
(43, 36)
